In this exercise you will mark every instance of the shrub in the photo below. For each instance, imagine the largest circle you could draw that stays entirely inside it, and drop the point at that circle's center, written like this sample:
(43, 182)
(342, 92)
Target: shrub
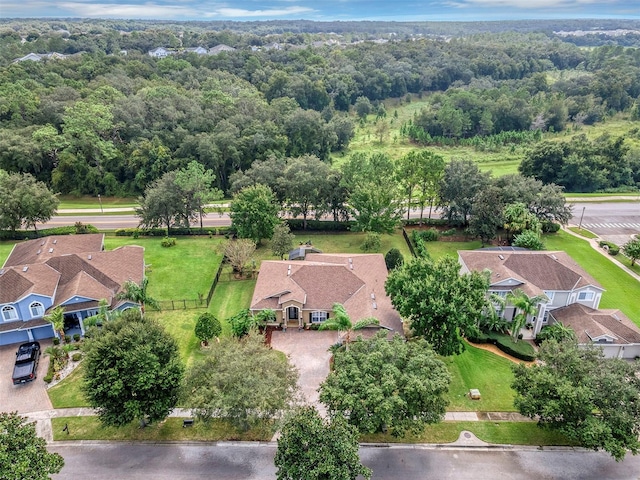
(371, 242)
(430, 235)
(320, 226)
(522, 350)
(76, 337)
(393, 259)
(528, 239)
(168, 242)
(610, 247)
(550, 227)
(56, 341)
(48, 378)
(67, 339)
(449, 233)
(76, 357)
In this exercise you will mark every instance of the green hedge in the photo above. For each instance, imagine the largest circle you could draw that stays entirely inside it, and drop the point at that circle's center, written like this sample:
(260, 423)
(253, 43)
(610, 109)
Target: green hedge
(550, 227)
(522, 350)
(426, 221)
(162, 232)
(45, 232)
(296, 224)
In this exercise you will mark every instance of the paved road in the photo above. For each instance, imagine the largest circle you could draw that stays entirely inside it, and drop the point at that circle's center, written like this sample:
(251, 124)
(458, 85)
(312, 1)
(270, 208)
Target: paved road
(102, 461)
(613, 221)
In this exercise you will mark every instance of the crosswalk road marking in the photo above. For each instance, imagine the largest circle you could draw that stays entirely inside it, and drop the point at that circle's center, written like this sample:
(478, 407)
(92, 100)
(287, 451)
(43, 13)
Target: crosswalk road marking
(612, 225)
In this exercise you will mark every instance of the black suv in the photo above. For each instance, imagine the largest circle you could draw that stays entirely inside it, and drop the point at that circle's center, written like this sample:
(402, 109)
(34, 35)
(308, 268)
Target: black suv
(27, 359)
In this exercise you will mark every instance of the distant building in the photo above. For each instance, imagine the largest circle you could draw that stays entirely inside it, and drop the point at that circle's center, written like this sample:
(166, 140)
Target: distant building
(159, 52)
(196, 50)
(36, 57)
(220, 48)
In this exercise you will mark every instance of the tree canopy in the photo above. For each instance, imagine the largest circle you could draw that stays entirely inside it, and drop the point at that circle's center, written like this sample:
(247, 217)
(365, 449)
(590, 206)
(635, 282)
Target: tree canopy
(243, 381)
(132, 370)
(380, 384)
(591, 399)
(254, 213)
(24, 201)
(314, 448)
(440, 304)
(372, 193)
(23, 454)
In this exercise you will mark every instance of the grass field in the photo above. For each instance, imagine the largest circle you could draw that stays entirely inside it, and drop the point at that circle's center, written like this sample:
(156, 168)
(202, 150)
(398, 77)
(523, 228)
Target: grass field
(509, 433)
(622, 290)
(486, 371)
(171, 429)
(5, 250)
(85, 202)
(182, 271)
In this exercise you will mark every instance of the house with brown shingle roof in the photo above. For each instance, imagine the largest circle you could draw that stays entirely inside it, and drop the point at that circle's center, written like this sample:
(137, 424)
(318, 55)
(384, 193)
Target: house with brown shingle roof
(303, 292)
(71, 271)
(609, 329)
(572, 295)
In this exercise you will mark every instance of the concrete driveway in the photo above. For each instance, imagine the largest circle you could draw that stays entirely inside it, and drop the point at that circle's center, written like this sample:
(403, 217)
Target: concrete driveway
(309, 352)
(28, 397)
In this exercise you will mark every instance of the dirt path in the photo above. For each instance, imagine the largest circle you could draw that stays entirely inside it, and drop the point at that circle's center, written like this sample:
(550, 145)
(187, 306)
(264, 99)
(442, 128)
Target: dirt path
(493, 349)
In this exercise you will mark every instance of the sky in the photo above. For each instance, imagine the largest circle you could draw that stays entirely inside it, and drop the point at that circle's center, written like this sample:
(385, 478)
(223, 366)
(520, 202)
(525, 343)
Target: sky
(323, 10)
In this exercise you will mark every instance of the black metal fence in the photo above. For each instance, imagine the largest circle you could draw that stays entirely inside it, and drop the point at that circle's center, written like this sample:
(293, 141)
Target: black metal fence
(184, 304)
(409, 244)
(216, 279)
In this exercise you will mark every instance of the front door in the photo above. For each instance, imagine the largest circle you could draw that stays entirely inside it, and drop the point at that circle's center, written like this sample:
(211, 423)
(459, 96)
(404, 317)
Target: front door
(293, 313)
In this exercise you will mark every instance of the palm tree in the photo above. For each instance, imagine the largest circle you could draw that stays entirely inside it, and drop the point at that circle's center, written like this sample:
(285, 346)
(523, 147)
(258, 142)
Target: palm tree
(342, 323)
(492, 319)
(525, 307)
(138, 293)
(56, 317)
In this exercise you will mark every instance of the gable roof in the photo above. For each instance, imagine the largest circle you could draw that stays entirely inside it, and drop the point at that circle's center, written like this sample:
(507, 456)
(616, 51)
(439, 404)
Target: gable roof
(590, 324)
(537, 271)
(39, 250)
(354, 280)
(94, 275)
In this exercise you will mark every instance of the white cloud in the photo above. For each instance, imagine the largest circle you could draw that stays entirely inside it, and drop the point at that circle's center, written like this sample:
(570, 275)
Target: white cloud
(528, 4)
(240, 12)
(146, 10)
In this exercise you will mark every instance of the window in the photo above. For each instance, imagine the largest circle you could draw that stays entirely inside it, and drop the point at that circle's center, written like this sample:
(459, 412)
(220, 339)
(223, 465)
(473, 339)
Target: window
(585, 296)
(9, 313)
(37, 309)
(550, 296)
(545, 319)
(317, 317)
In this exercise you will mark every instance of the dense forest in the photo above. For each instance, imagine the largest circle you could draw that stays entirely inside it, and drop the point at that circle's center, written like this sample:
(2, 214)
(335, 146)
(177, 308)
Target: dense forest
(110, 119)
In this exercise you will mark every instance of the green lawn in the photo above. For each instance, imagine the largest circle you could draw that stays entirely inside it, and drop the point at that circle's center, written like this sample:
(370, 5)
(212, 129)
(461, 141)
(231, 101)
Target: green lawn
(440, 249)
(5, 249)
(510, 433)
(85, 202)
(68, 393)
(229, 298)
(486, 371)
(179, 272)
(90, 428)
(622, 290)
(582, 232)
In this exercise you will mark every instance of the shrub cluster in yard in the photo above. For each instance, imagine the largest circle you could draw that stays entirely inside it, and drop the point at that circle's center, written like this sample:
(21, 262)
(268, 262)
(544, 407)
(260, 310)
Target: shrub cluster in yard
(611, 247)
(168, 242)
(522, 350)
(426, 221)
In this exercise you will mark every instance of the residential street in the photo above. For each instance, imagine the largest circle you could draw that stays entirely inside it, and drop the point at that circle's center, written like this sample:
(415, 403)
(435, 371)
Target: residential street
(102, 461)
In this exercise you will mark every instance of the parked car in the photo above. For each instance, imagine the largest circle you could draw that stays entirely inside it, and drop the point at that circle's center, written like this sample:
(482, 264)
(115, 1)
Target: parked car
(27, 358)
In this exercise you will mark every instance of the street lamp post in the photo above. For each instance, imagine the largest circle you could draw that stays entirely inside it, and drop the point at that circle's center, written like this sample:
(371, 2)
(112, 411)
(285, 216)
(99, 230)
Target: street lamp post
(100, 200)
(581, 216)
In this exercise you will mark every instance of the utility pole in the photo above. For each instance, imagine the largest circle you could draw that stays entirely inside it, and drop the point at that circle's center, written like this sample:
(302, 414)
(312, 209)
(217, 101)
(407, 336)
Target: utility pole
(100, 200)
(581, 216)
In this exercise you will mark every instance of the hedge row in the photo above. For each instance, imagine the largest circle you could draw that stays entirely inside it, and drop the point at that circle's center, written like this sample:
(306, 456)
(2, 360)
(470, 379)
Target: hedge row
(295, 224)
(31, 234)
(426, 221)
(522, 350)
(162, 232)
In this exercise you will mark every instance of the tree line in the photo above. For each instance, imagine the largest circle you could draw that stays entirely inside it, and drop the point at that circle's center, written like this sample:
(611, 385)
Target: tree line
(110, 124)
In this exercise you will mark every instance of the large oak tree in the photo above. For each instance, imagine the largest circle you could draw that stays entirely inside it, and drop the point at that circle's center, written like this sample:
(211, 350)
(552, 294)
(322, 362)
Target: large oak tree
(440, 304)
